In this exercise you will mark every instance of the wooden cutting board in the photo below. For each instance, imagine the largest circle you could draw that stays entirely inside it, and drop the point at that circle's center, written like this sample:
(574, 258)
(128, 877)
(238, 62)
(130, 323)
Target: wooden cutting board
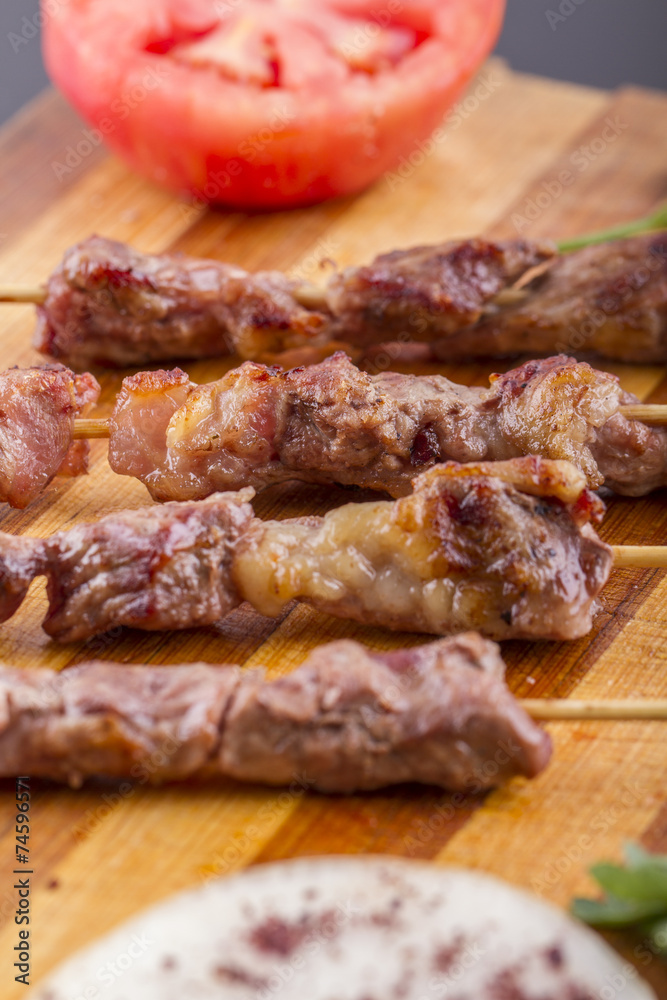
(523, 156)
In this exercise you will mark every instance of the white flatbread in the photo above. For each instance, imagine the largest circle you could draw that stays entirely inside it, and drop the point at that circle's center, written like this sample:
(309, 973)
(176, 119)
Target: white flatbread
(362, 928)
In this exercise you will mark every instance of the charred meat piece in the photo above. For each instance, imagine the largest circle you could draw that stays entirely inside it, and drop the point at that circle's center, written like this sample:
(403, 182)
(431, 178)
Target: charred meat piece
(348, 719)
(167, 567)
(610, 299)
(21, 560)
(506, 548)
(155, 568)
(104, 718)
(332, 422)
(427, 292)
(138, 435)
(38, 407)
(564, 409)
(108, 304)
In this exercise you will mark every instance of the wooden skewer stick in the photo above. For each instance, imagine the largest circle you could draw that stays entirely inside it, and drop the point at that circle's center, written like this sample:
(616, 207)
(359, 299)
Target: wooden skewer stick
(648, 413)
(15, 293)
(640, 556)
(510, 296)
(311, 296)
(566, 708)
(308, 295)
(657, 414)
(90, 428)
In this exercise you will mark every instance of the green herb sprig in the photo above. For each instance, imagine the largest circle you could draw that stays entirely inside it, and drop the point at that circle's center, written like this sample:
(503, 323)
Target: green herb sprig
(657, 220)
(635, 896)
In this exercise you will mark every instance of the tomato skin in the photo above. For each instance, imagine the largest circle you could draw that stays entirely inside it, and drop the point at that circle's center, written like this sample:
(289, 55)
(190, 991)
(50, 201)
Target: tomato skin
(223, 141)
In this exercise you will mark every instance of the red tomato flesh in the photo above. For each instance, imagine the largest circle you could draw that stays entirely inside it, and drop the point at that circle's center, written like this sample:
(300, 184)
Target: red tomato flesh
(266, 103)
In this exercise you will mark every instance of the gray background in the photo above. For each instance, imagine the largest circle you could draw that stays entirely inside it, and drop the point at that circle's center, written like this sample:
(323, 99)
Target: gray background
(604, 43)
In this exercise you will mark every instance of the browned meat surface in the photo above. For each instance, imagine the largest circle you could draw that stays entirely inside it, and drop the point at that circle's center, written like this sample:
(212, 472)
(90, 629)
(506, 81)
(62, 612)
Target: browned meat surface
(138, 435)
(561, 408)
(154, 568)
(38, 407)
(427, 292)
(353, 719)
(104, 718)
(506, 548)
(21, 560)
(111, 305)
(334, 423)
(610, 299)
(108, 304)
(348, 719)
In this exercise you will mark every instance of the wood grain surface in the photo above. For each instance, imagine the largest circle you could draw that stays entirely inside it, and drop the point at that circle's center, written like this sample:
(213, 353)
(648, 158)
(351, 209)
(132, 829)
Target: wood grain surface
(99, 854)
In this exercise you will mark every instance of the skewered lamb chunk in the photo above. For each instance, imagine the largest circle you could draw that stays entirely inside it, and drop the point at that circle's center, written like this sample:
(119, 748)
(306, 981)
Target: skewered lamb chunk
(347, 719)
(610, 299)
(21, 560)
(427, 292)
(38, 407)
(108, 304)
(332, 422)
(506, 548)
(164, 568)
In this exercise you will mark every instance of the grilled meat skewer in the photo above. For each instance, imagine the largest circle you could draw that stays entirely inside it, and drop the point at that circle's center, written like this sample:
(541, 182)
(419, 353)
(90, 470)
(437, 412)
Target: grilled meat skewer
(111, 305)
(506, 548)
(332, 422)
(348, 719)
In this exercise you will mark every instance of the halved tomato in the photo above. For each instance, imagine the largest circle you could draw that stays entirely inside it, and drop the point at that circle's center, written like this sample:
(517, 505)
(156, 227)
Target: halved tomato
(265, 103)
